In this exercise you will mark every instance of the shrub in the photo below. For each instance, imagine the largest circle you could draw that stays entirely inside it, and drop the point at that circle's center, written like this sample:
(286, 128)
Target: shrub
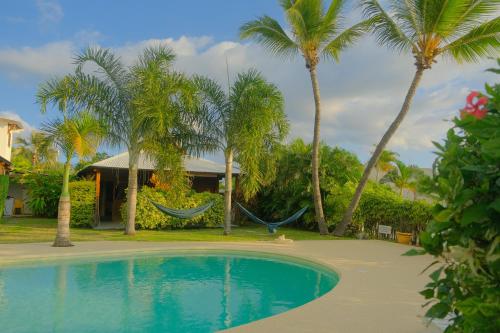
(465, 228)
(82, 194)
(4, 190)
(149, 217)
(44, 190)
(292, 188)
(340, 171)
(378, 205)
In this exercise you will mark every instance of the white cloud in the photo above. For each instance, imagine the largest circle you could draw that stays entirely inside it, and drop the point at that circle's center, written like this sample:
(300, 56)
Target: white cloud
(361, 95)
(45, 61)
(50, 11)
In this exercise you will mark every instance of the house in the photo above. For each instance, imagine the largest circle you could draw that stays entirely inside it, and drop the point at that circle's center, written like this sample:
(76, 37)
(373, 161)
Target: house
(8, 127)
(111, 178)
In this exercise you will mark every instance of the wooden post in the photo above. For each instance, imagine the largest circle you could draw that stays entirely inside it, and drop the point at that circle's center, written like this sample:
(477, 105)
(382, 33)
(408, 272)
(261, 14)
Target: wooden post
(97, 215)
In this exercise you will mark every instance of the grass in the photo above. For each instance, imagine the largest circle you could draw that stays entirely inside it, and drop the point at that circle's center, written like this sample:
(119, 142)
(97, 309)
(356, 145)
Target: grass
(31, 230)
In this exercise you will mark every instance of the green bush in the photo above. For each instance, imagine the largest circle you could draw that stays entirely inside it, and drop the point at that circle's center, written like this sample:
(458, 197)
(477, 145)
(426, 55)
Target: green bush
(44, 189)
(292, 188)
(149, 217)
(82, 194)
(465, 230)
(4, 190)
(379, 204)
(340, 171)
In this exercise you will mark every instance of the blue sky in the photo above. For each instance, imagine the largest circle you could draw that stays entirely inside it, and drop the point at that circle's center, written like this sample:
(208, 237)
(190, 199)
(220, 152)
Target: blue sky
(361, 94)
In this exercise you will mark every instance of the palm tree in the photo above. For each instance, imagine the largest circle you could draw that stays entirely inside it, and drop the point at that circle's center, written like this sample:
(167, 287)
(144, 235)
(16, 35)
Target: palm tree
(35, 149)
(403, 177)
(315, 32)
(461, 30)
(385, 163)
(80, 135)
(146, 107)
(247, 124)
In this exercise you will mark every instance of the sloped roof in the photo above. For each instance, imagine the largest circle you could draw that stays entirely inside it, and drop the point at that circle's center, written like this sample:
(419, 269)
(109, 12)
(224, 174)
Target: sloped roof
(191, 164)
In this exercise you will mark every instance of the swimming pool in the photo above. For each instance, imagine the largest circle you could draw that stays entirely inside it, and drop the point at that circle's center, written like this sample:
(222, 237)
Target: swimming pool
(176, 292)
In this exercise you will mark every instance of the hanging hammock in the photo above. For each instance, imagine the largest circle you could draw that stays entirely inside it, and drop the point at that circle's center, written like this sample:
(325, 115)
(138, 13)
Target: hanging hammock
(272, 227)
(183, 213)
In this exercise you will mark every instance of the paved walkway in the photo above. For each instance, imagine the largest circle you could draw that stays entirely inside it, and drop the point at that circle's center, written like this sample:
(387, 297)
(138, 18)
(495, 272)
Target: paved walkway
(377, 292)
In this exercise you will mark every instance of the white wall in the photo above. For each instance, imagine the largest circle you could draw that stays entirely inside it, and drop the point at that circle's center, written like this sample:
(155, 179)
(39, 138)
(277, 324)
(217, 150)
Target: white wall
(5, 148)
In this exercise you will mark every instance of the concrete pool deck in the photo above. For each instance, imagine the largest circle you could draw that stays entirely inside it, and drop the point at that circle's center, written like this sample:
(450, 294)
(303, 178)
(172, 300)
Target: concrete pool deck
(377, 291)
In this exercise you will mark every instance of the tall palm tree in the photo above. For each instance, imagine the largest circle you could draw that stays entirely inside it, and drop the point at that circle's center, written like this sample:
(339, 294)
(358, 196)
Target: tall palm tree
(316, 32)
(385, 163)
(247, 124)
(146, 107)
(462, 30)
(79, 135)
(404, 177)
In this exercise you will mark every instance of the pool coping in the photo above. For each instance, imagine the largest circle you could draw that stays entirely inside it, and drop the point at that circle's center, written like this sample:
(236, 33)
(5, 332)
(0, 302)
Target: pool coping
(377, 289)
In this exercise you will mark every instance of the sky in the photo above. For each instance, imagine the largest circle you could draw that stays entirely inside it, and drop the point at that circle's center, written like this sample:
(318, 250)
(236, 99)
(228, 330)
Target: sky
(361, 94)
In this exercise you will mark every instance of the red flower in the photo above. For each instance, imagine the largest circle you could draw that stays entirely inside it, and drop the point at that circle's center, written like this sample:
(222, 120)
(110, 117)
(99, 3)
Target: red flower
(476, 106)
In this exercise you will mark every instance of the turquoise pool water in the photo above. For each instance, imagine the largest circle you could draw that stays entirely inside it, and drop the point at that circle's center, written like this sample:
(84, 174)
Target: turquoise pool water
(181, 292)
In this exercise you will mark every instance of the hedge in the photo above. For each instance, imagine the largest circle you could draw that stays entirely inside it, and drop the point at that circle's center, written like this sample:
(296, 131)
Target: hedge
(378, 205)
(4, 190)
(82, 195)
(149, 217)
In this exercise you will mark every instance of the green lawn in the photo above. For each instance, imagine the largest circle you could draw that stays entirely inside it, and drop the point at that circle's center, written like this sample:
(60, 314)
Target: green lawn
(29, 230)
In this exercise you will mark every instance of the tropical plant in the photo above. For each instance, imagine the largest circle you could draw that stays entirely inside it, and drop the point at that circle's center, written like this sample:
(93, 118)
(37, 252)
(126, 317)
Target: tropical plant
(34, 149)
(44, 191)
(149, 217)
(247, 124)
(146, 107)
(465, 232)
(462, 30)
(79, 135)
(316, 32)
(291, 189)
(403, 177)
(385, 163)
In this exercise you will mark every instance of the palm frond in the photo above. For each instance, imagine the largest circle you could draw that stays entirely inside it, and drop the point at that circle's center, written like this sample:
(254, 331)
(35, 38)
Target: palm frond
(385, 28)
(161, 56)
(409, 17)
(56, 91)
(481, 41)
(469, 15)
(346, 39)
(107, 64)
(268, 32)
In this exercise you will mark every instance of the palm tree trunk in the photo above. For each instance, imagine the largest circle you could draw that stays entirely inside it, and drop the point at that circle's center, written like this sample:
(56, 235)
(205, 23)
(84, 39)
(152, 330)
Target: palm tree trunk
(340, 229)
(64, 211)
(318, 206)
(228, 188)
(132, 192)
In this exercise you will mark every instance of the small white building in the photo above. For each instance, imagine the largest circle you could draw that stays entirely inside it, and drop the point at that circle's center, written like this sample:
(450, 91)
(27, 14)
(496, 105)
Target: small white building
(8, 127)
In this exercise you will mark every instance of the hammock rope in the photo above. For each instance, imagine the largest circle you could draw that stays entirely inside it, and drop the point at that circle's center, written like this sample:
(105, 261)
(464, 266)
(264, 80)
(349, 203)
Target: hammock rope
(272, 227)
(183, 213)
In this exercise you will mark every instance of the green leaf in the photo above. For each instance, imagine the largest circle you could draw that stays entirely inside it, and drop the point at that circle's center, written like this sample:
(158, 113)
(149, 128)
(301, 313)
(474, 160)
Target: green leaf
(438, 310)
(414, 252)
(495, 205)
(444, 215)
(435, 275)
(427, 293)
(476, 213)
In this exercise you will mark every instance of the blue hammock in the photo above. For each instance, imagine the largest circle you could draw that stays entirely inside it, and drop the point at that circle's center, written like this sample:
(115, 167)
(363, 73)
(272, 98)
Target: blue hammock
(272, 227)
(183, 213)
